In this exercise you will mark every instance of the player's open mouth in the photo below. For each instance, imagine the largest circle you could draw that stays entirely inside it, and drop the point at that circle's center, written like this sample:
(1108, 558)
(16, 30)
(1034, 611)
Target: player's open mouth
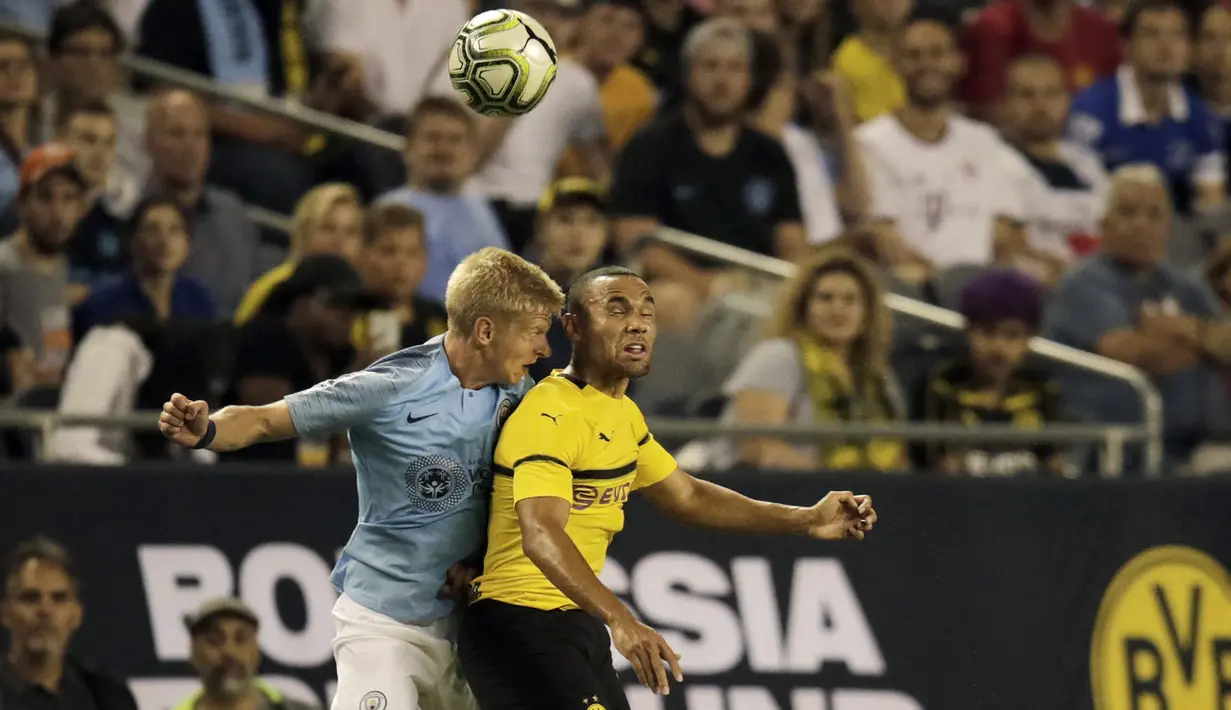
(636, 351)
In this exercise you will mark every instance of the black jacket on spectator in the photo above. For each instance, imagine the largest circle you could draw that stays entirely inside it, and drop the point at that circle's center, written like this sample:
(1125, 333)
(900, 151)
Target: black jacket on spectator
(266, 348)
(738, 199)
(84, 686)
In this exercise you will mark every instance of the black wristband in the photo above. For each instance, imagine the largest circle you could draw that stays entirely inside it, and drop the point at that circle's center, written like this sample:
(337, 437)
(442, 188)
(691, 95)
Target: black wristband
(208, 438)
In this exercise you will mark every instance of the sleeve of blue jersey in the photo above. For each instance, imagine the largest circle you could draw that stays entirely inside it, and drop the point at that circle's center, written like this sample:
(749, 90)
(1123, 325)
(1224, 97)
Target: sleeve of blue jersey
(350, 400)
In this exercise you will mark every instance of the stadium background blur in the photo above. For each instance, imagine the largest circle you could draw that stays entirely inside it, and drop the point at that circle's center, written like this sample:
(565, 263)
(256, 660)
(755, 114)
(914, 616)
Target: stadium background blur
(172, 240)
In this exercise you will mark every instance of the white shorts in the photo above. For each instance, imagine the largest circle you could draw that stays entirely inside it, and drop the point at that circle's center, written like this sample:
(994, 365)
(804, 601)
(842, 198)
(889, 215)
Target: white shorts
(384, 664)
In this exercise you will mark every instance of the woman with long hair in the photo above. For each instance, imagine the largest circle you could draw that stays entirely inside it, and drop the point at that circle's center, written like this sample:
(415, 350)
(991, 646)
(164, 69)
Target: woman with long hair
(328, 219)
(824, 359)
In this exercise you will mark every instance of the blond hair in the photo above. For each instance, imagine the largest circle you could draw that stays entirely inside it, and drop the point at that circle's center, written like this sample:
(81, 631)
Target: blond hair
(869, 355)
(313, 207)
(500, 285)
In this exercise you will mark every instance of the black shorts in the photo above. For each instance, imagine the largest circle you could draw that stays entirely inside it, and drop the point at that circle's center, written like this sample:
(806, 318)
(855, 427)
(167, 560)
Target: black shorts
(517, 658)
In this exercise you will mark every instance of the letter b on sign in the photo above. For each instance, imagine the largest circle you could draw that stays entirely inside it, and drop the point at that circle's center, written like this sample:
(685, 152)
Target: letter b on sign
(1162, 638)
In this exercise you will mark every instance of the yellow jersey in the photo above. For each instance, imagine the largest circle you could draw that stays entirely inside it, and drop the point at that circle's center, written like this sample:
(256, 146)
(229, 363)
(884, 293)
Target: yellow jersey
(874, 84)
(565, 440)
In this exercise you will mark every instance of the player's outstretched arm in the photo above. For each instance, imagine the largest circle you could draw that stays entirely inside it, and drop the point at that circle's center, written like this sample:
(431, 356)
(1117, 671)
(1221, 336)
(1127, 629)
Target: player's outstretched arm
(186, 422)
(840, 515)
(546, 543)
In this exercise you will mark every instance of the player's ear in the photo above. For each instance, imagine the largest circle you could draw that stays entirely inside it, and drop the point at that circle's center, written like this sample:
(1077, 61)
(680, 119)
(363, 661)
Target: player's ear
(484, 330)
(570, 325)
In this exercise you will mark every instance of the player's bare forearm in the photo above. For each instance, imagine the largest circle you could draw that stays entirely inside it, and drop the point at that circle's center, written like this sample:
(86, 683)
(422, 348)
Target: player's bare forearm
(240, 427)
(704, 504)
(549, 547)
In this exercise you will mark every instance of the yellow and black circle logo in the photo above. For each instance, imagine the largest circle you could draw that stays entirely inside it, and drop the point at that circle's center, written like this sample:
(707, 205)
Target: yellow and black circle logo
(1162, 637)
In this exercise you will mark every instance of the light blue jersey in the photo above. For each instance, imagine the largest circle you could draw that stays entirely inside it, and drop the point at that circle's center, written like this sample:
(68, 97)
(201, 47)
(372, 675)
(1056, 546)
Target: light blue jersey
(422, 448)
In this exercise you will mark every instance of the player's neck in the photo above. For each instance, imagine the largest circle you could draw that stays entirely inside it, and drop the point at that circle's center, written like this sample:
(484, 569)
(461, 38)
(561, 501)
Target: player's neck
(466, 362)
(613, 387)
(927, 123)
(1155, 95)
(1043, 149)
(15, 123)
(254, 700)
(45, 671)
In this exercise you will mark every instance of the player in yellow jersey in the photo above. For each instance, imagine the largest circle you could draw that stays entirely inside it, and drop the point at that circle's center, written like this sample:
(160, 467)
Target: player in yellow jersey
(567, 460)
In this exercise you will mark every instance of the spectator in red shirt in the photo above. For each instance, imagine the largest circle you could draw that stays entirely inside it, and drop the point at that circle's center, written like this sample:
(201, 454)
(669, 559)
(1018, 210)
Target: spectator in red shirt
(1082, 40)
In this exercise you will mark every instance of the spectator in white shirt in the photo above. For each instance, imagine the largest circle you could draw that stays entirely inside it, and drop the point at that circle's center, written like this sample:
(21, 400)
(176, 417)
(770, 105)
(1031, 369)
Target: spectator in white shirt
(940, 184)
(1065, 187)
(400, 47)
(518, 158)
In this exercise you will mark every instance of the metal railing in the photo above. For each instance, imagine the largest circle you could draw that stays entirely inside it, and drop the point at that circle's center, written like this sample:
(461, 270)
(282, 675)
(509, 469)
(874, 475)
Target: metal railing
(1111, 439)
(1150, 431)
(201, 84)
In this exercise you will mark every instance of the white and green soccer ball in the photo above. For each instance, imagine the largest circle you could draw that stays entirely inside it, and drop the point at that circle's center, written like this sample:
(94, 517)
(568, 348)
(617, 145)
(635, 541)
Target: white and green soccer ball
(502, 62)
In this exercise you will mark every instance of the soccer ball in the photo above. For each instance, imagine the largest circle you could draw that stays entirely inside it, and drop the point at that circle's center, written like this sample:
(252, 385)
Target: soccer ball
(502, 62)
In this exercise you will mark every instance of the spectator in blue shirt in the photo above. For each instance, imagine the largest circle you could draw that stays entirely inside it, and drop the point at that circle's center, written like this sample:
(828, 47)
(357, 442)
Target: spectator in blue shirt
(441, 153)
(1145, 114)
(158, 245)
(1125, 303)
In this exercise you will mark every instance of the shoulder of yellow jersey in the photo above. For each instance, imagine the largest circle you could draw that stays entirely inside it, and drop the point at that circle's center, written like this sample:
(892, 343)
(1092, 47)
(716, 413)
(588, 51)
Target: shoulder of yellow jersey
(552, 396)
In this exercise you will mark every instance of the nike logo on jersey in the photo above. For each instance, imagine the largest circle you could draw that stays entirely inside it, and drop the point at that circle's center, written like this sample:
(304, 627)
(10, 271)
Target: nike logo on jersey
(411, 418)
(553, 419)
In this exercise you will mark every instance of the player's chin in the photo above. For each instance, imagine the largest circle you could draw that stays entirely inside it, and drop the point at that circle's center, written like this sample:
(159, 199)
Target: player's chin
(636, 368)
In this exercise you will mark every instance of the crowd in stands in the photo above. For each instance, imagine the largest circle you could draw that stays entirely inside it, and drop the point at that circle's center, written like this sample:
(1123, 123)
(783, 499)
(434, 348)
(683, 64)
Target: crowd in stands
(1043, 167)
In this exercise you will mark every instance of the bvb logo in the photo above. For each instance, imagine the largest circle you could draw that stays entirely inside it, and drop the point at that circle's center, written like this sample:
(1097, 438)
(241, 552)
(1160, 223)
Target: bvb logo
(374, 700)
(1162, 637)
(596, 706)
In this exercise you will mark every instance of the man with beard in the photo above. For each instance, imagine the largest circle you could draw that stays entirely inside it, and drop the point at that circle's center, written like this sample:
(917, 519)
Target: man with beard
(34, 286)
(535, 636)
(942, 186)
(41, 611)
(703, 170)
(225, 653)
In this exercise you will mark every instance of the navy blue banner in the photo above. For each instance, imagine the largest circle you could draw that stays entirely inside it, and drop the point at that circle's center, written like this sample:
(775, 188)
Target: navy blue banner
(970, 594)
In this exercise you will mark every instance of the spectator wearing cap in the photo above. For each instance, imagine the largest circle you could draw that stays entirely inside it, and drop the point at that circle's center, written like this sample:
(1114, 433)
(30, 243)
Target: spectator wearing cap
(1128, 304)
(441, 153)
(824, 359)
(328, 219)
(1144, 114)
(18, 98)
(570, 237)
(302, 336)
(34, 283)
(393, 263)
(83, 51)
(991, 383)
(157, 246)
(226, 253)
(41, 610)
(226, 655)
(614, 32)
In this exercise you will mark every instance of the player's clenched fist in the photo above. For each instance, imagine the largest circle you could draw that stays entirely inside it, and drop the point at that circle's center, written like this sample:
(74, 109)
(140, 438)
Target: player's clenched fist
(184, 420)
(647, 650)
(842, 515)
